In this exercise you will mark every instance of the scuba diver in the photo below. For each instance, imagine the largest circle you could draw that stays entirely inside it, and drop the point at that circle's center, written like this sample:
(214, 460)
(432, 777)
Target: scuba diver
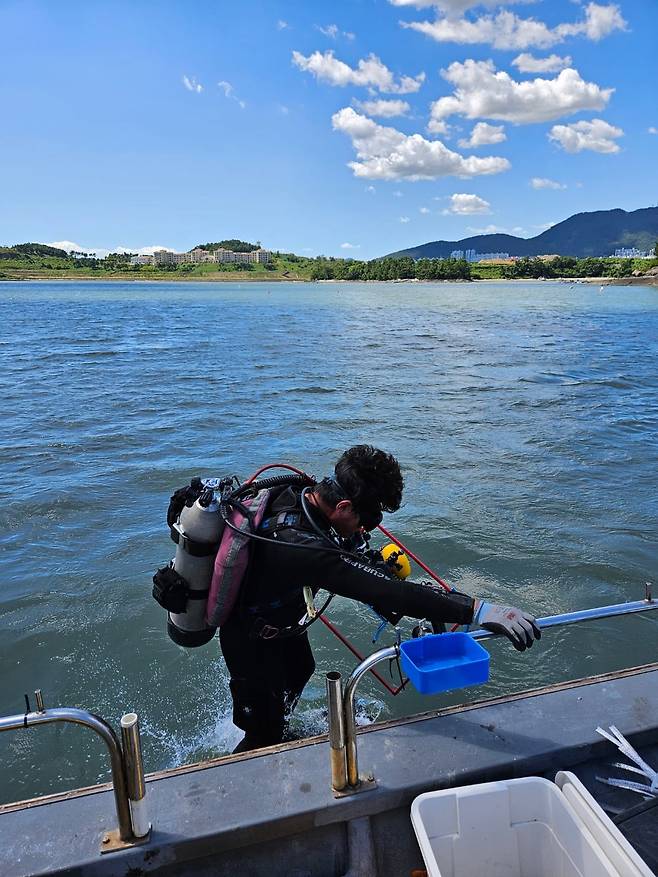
(264, 639)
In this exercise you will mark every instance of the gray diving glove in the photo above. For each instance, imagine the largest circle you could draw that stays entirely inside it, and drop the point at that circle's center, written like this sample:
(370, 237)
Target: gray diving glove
(518, 626)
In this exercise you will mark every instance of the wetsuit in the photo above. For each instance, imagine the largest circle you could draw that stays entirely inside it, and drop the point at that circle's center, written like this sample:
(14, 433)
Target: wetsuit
(266, 650)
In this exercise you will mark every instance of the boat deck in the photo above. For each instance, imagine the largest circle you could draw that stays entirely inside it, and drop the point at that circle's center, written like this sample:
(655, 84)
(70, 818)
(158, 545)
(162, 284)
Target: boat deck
(273, 812)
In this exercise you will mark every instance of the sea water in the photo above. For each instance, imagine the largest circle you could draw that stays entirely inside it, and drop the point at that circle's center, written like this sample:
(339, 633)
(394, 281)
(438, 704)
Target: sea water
(525, 417)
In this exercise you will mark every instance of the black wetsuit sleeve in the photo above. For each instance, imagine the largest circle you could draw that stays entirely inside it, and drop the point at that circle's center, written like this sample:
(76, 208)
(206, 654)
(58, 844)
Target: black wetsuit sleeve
(356, 578)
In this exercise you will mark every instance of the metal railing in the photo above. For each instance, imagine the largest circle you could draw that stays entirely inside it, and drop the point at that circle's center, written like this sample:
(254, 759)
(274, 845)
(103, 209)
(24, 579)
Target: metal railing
(345, 777)
(127, 766)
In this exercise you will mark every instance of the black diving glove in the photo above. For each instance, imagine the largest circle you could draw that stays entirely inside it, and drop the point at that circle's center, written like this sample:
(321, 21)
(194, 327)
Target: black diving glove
(518, 626)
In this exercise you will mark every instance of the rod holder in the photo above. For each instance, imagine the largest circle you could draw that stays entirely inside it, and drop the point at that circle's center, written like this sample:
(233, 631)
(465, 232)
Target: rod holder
(134, 767)
(336, 732)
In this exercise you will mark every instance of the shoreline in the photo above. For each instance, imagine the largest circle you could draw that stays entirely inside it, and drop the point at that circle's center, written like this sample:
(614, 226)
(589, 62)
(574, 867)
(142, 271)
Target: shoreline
(590, 281)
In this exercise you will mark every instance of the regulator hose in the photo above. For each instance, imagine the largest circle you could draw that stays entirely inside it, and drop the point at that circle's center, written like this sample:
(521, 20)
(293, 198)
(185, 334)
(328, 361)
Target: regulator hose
(273, 481)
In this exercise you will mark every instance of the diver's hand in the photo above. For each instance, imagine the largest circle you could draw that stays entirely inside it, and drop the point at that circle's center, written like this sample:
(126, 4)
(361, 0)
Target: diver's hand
(518, 626)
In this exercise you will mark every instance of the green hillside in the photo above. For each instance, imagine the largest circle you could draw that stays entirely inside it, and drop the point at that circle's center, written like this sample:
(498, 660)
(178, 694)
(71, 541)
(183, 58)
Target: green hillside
(583, 235)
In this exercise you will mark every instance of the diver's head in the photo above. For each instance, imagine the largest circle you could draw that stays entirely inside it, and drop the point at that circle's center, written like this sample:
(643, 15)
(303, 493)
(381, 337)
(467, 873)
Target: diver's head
(365, 483)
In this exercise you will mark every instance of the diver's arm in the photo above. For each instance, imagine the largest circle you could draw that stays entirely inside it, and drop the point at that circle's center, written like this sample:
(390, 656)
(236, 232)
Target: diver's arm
(413, 599)
(354, 577)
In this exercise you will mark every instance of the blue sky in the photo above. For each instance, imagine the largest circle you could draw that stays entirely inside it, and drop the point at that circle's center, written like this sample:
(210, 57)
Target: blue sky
(347, 128)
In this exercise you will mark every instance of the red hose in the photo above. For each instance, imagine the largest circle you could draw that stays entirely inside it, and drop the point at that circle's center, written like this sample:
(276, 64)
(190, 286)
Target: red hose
(358, 655)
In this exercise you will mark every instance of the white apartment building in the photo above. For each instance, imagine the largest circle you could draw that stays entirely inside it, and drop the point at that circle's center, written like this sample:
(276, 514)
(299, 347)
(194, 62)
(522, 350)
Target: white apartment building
(256, 256)
(166, 257)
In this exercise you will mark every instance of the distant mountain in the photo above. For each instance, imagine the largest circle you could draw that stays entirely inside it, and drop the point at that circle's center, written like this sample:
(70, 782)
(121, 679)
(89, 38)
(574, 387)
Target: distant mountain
(585, 234)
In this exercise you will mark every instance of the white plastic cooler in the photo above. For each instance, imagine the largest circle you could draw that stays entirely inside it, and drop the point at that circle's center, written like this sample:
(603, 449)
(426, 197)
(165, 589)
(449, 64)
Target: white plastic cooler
(526, 827)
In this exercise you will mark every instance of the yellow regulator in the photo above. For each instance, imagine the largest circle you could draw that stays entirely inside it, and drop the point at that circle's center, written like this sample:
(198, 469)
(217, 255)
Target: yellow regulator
(395, 557)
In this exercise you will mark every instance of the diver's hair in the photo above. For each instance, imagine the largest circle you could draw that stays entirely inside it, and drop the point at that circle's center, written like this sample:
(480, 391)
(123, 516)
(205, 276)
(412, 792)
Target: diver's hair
(370, 477)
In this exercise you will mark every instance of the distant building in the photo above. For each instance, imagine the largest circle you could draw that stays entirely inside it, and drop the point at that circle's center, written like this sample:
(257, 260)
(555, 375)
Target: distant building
(255, 256)
(631, 253)
(141, 260)
(163, 257)
(199, 255)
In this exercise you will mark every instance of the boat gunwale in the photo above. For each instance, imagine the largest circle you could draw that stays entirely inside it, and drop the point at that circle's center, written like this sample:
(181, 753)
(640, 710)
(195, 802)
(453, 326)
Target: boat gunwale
(183, 769)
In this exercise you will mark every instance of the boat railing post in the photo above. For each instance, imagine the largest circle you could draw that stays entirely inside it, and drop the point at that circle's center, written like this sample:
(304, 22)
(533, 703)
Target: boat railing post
(336, 731)
(123, 836)
(353, 779)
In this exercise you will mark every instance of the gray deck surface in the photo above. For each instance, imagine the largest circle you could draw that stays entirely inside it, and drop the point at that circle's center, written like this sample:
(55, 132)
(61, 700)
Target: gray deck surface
(274, 813)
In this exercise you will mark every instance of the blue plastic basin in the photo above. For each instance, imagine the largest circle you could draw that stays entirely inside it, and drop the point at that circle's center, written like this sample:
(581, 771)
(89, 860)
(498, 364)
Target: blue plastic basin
(444, 661)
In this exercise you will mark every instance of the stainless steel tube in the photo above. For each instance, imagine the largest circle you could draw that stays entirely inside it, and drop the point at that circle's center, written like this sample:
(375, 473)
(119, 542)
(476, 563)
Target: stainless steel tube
(583, 615)
(336, 731)
(393, 651)
(134, 766)
(350, 720)
(101, 727)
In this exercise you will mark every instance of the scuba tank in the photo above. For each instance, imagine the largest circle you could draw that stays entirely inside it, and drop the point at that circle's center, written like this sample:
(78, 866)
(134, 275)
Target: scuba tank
(212, 521)
(196, 525)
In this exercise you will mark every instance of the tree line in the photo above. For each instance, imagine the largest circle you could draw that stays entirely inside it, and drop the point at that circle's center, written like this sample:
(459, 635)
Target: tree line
(403, 268)
(569, 266)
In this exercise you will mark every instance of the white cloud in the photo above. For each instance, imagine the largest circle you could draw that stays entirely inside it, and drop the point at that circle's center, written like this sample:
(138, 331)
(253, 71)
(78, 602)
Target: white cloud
(281, 24)
(371, 189)
(419, 4)
(484, 135)
(68, 246)
(518, 230)
(143, 251)
(454, 7)
(398, 194)
(483, 92)
(283, 109)
(597, 136)
(505, 30)
(388, 154)
(101, 252)
(543, 183)
(652, 130)
(466, 205)
(384, 108)
(191, 84)
(229, 92)
(369, 72)
(404, 219)
(333, 32)
(545, 226)
(348, 246)
(424, 210)
(527, 63)
(488, 229)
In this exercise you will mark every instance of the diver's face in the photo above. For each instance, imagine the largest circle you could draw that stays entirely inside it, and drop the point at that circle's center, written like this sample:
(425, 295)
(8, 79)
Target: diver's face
(345, 519)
